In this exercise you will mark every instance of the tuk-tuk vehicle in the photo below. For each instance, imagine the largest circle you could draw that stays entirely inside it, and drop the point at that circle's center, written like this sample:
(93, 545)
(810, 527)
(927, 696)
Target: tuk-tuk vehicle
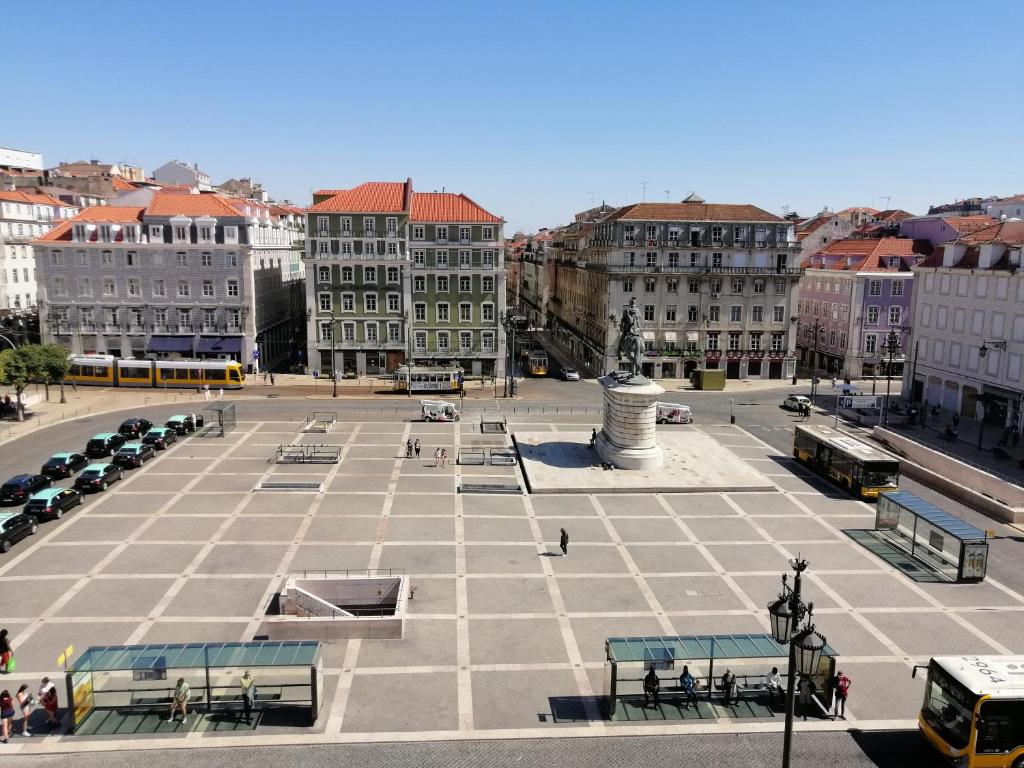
(439, 410)
(673, 413)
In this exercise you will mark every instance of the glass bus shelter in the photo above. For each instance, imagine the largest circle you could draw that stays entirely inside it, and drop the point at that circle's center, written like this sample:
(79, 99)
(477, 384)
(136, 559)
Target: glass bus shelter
(750, 657)
(128, 686)
(945, 544)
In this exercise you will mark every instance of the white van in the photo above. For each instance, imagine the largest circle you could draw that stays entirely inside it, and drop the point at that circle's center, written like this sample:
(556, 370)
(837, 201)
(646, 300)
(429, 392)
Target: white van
(439, 410)
(673, 413)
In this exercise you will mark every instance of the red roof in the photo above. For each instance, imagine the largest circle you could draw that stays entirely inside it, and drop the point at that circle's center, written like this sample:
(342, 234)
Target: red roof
(858, 209)
(120, 185)
(32, 198)
(967, 224)
(692, 212)
(871, 255)
(1003, 232)
(172, 204)
(96, 214)
(370, 197)
(448, 206)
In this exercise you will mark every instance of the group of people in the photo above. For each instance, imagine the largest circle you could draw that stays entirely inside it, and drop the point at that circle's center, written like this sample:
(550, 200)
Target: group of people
(413, 448)
(728, 685)
(23, 701)
(7, 408)
(182, 695)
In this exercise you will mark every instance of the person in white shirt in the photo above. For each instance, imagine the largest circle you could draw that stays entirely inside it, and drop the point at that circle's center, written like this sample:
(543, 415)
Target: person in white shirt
(774, 684)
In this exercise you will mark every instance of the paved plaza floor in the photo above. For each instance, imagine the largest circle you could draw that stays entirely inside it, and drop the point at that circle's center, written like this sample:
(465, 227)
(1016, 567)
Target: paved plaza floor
(504, 636)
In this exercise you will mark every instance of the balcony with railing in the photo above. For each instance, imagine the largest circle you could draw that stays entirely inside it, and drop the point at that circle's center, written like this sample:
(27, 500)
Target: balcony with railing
(699, 269)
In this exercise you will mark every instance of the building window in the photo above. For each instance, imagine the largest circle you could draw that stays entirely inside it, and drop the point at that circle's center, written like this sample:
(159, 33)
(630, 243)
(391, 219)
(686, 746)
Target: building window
(419, 259)
(370, 331)
(464, 234)
(842, 340)
(672, 285)
(392, 249)
(896, 288)
(418, 231)
(716, 235)
(442, 340)
(369, 224)
(895, 314)
(487, 233)
(873, 315)
(348, 331)
(465, 341)
(737, 285)
(465, 284)
(323, 274)
(649, 312)
(692, 313)
(347, 274)
(391, 226)
(182, 259)
(465, 259)
(180, 234)
(627, 284)
(778, 341)
(487, 341)
(716, 261)
(232, 260)
(134, 287)
(60, 287)
(107, 258)
(346, 226)
(441, 259)
(183, 290)
(419, 284)
(441, 234)
(736, 313)
(158, 288)
(323, 224)
(670, 313)
(650, 284)
(207, 289)
(757, 313)
(734, 340)
(442, 283)
(207, 259)
(713, 340)
(419, 312)
(778, 313)
(713, 313)
(693, 286)
(110, 287)
(323, 247)
(487, 259)
(487, 312)
(393, 274)
(755, 342)
(487, 284)
(346, 248)
(420, 341)
(325, 302)
(369, 274)
(230, 234)
(394, 332)
(874, 288)
(465, 312)
(394, 302)
(209, 319)
(442, 312)
(234, 318)
(832, 338)
(870, 343)
(759, 286)
(348, 302)
(369, 302)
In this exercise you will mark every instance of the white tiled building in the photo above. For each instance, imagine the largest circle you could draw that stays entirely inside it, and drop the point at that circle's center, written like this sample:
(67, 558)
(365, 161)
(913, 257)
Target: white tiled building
(24, 216)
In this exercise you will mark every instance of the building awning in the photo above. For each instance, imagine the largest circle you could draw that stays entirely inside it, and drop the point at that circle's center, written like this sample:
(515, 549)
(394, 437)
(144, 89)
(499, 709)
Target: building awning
(169, 344)
(692, 336)
(670, 335)
(219, 344)
(648, 335)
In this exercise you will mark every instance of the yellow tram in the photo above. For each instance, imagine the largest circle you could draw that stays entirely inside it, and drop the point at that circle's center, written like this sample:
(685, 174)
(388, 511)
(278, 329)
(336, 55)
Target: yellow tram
(109, 371)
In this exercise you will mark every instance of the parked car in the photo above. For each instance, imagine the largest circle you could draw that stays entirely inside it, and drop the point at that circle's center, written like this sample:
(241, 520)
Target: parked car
(182, 424)
(15, 526)
(96, 477)
(104, 444)
(569, 374)
(673, 413)
(133, 429)
(795, 402)
(20, 488)
(160, 437)
(52, 503)
(63, 464)
(131, 455)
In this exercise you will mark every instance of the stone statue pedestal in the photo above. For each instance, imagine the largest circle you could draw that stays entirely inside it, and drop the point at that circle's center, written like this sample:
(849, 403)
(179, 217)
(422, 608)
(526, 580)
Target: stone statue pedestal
(630, 413)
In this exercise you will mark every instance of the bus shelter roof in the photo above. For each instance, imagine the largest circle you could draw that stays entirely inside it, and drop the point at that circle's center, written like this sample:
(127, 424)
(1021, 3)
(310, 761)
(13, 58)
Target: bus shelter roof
(112, 658)
(941, 519)
(698, 647)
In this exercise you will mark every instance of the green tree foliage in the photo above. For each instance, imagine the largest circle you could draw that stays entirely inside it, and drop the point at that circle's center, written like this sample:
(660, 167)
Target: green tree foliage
(22, 366)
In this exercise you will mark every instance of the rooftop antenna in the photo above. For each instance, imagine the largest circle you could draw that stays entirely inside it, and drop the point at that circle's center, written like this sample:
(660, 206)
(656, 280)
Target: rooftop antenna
(643, 185)
(888, 200)
(668, 194)
(593, 196)
(785, 210)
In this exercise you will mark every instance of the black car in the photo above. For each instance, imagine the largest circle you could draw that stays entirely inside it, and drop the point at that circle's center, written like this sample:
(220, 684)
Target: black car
(63, 464)
(19, 488)
(96, 477)
(133, 429)
(15, 526)
(52, 503)
(160, 437)
(104, 444)
(182, 424)
(131, 455)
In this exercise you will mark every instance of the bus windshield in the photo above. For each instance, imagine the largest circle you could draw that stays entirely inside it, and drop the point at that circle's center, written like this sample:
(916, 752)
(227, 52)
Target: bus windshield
(949, 707)
(881, 474)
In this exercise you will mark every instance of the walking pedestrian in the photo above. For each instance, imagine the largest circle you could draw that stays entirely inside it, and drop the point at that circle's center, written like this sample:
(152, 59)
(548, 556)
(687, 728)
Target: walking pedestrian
(6, 715)
(956, 420)
(651, 687)
(6, 652)
(271, 378)
(179, 701)
(730, 691)
(563, 542)
(841, 684)
(48, 698)
(220, 393)
(593, 437)
(248, 685)
(687, 683)
(206, 391)
(408, 449)
(444, 457)
(416, 447)
(833, 382)
(26, 703)
(805, 693)
(437, 457)
(264, 377)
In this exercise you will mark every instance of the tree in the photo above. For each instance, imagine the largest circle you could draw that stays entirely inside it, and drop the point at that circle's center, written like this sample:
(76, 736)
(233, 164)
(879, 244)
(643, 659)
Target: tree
(55, 366)
(20, 367)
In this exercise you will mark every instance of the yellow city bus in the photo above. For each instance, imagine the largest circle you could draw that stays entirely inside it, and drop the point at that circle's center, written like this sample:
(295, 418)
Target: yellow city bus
(973, 711)
(860, 469)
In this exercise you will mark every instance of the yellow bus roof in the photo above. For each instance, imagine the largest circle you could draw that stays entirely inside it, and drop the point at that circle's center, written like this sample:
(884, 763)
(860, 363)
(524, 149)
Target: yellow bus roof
(1001, 677)
(843, 442)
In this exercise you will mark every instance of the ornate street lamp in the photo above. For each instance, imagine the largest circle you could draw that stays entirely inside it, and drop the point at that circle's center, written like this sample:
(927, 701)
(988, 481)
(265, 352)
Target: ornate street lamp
(806, 645)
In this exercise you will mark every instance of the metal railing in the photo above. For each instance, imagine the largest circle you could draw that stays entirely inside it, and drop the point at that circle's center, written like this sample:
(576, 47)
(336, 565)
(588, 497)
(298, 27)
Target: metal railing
(316, 607)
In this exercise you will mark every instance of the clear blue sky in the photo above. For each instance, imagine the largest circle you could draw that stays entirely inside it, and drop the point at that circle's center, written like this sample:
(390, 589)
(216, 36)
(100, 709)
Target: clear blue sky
(535, 108)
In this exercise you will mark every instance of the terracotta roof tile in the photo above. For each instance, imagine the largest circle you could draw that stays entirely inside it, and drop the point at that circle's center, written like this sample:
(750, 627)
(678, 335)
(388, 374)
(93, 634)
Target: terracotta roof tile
(693, 212)
(97, 214)
(1003, 232)
(965, 225)
(448, 206)
(370, 197)
(120, 185)
(872, 254)
(171, 204)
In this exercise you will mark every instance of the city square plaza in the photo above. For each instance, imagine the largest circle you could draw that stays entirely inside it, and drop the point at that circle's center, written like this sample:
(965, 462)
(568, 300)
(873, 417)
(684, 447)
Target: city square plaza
(503, 636)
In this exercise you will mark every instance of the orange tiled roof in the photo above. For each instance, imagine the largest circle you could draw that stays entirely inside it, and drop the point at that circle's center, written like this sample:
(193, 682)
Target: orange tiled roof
(36, 198)
(171, 204)
(96, 214)
(692, 212)
(965, 225)
(370, 197)
(892, 215)
(447, 206)
(120, 185)
(1003, 232)
(859, 209)
(872, 254)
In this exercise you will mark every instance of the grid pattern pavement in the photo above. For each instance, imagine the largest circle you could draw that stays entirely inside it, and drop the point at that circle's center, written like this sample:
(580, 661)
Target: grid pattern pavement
(501, 626)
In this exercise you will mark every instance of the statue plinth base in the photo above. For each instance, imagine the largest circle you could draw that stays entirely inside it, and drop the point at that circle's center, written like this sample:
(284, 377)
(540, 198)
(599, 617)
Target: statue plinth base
(627, 438)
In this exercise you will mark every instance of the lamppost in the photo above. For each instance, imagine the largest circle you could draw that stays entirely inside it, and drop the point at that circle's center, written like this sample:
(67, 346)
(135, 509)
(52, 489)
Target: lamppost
(408, 343)
(508, 322)
(892, 343)
(334, 349)
(805, 644)
(982, 352)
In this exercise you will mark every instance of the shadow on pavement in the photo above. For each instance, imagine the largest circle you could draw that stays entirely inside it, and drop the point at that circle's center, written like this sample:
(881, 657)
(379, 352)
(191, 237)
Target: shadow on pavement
(897, 749)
